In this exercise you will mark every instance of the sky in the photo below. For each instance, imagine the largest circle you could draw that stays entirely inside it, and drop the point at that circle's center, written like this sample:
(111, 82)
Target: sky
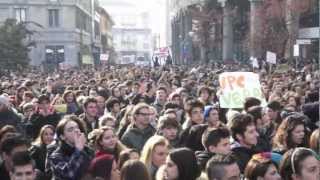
(155, 7)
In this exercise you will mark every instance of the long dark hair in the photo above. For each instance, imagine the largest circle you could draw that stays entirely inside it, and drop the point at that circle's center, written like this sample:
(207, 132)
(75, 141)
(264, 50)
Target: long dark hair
(134, 169)
(186, 162)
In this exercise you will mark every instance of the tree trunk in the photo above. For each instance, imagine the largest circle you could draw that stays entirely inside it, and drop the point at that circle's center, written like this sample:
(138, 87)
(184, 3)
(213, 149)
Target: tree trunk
(227, 53)
(292, 23)
(255, 28)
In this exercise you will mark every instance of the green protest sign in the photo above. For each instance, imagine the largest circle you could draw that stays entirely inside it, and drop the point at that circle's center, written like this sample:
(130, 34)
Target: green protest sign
(237, 86)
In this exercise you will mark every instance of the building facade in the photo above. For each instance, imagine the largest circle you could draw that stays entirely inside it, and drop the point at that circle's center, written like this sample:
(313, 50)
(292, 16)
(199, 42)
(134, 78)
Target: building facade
(132, 34)
(70, 28)
(309, 34)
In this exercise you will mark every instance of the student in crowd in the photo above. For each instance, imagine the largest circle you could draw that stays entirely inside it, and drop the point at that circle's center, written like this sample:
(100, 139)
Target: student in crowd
(300, 164)
(169, 128)
(222, 167)
(215, 141)
(71, 158)
(262, 167)
(245, 136)
(23, 167)
(9, 147)
(211, 117)
(195, 117)
(70, 99)
(45, 114)
(128, 154)
(90, 115)
(291, 133)
(125, 121)
(181, 164)
(134, 169)
(140, 130)
(154, 153)
(273, 111)
(264, 143)
(107, 120)
(106, 142)
(204, 93)
(103, 167)
(315, 141)
(113, 107)
(101, 105)
(38, 150)
(161, 97)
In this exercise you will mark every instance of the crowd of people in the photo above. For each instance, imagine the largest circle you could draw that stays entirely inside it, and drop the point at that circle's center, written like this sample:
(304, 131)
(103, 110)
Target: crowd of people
(161, 123)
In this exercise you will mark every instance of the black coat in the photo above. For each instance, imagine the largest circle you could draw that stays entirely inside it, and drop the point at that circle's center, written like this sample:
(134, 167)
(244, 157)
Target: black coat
(38, 121)
(203, 157)
(38, 154)
(9, 117)
(194, 139)
(243, 156)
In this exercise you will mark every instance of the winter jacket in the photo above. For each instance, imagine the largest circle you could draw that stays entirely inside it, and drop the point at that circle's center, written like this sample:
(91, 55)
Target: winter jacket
(136, 138)
(38, 154)
(89, 126)
(242, 155)
(68, 163)
(203, 157)
(9, 117)
(38, 121)
(194, 139)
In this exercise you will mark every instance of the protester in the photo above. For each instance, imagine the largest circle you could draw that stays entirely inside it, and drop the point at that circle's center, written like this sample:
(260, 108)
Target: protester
(71, 158)
(134, 169)
(300, 164)
(222, 167)
(181, 164)
(38, 151)
(140, 129)
(154, 153)
(154, 109)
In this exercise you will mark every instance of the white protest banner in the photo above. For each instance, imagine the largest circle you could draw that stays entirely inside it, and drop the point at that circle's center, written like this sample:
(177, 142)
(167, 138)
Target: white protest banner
(104, 57)
(296, 50)
(271, 57)
(254, 62)
(237, 86)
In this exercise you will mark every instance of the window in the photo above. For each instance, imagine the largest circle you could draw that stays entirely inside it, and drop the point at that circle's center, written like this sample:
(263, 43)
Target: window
(20, 14)
(54, 18)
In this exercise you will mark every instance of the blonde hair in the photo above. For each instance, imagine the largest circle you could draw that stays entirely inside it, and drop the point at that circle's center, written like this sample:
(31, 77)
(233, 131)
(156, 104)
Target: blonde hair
(39, 139)
(148, 148)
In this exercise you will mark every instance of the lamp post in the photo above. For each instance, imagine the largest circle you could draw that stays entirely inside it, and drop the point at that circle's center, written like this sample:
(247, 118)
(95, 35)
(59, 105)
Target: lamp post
(227, 41)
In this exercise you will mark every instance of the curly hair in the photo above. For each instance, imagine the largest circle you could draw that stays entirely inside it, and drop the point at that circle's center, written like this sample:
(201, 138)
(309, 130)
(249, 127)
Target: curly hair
(282, 139)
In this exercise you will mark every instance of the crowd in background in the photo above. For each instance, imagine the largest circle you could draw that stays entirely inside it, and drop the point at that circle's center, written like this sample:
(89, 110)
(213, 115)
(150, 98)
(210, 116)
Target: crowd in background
(161, 123)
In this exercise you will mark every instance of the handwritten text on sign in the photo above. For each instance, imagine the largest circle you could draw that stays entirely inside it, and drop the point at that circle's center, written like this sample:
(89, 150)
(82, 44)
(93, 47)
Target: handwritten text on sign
(236, 86)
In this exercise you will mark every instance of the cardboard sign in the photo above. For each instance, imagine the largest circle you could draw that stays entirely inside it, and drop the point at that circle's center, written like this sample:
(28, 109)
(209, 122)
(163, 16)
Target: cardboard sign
(254, 62)
(87, 59)
(296, 50)
(104, 57)
(62, 108)
(237, 86)
(271, 57)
